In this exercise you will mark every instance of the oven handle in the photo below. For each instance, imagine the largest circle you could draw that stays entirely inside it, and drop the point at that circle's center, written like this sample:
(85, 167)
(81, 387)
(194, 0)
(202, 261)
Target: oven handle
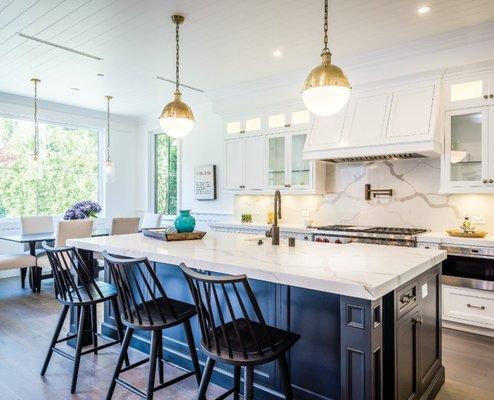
(471, 252)
(468, 283)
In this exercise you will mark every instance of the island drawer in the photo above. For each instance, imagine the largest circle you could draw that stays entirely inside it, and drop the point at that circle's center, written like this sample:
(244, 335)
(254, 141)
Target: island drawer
(406, 299)
(468, 306)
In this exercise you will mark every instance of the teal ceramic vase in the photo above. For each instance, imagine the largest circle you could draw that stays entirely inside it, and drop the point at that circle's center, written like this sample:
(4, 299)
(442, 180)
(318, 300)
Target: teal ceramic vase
(185, 222)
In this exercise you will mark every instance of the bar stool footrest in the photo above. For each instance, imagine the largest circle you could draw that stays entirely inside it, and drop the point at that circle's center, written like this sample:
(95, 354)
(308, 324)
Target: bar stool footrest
(174, 380)
(136, 364)
(63, 354)
(226, 394)
(131, 388)
(101, 347)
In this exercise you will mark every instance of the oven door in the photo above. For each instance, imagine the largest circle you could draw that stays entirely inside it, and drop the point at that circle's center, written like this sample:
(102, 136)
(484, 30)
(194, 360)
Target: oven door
(468, 271)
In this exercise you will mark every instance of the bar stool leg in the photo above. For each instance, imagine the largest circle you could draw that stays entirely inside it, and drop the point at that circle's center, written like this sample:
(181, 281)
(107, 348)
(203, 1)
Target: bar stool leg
(54, 339)
(119, 325)
(23, 277)
(192, 351)
(249, 383)
(206, 377)
(77, 360)
(152, 364)
(123, 354)
(285, 377)
(236, 382)
(160, 357)
(94, 325)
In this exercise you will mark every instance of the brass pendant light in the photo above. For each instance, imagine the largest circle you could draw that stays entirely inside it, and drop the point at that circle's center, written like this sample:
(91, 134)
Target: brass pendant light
(109, 167)
(327, 89)
(35, 155)
(177, 119)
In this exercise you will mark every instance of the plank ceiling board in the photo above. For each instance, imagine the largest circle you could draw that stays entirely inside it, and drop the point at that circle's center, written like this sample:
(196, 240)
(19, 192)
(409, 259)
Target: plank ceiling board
(223, 42)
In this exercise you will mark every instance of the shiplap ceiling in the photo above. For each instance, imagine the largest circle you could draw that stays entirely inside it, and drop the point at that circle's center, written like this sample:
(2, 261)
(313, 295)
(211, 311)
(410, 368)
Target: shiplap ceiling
(224, 42)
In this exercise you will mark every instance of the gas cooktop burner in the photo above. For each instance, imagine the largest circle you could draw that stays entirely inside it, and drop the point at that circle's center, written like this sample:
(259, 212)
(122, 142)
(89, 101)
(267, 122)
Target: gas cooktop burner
(373, 230)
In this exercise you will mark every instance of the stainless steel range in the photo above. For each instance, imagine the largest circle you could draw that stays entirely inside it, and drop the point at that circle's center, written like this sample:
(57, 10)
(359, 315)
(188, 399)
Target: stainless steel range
(368, 234)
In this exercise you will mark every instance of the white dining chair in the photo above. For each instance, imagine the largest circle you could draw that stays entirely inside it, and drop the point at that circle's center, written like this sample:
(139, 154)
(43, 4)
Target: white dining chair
(123, 226)
(150, 220)
(20, 261)
(31, 225)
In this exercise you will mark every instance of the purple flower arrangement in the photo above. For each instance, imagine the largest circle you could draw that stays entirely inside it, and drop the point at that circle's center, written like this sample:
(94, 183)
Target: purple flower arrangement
(83, 210)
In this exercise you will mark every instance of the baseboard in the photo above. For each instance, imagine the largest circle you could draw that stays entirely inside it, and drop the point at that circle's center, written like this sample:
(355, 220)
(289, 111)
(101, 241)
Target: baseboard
(468, 328)
(435, 385)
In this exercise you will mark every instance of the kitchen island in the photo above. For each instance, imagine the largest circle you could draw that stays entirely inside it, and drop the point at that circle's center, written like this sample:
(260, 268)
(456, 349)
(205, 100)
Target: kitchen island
(367, 314)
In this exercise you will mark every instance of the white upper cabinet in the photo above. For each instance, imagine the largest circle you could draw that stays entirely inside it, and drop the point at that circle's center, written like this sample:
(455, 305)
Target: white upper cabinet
(244, 159)
(411, 114)
(400, 119)
(249, 126)
(365, 120)
(288, 121)
(469, 91)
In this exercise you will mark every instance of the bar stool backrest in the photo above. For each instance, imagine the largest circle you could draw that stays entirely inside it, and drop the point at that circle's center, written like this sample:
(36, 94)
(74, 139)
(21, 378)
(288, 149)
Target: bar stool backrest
(219, 300)
(140, 291)
(73, 279)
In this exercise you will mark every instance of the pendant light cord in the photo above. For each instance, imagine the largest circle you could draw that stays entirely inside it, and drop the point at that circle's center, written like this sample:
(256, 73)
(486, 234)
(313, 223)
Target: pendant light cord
(108, 98)
(325, 50)
(36, 128)
(177, 65)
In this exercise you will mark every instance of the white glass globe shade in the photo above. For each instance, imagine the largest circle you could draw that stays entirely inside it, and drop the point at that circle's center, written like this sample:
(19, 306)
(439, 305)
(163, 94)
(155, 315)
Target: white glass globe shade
(326, 100)
(177, 127)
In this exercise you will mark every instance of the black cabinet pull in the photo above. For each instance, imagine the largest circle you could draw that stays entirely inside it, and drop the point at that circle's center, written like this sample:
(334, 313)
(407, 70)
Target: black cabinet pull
(417, 320)
(407, 299)
(287, 125)
(477, 307)
(486, 96)
(491, 96)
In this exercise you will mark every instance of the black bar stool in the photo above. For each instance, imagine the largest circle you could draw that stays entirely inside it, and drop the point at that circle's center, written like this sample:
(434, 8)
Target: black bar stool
(241, 342)
(75, 287)
(145, 306)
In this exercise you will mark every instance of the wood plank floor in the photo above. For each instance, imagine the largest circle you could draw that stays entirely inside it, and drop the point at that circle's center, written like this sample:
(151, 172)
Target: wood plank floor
(27, 321)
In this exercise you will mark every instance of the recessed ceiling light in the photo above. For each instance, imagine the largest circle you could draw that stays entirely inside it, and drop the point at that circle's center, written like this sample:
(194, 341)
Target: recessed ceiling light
(277, 53)
(75, 89)
(423, 10)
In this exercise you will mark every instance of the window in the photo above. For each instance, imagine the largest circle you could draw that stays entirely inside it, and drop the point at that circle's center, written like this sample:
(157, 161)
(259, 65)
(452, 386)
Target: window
(68, 170)
(165, 174)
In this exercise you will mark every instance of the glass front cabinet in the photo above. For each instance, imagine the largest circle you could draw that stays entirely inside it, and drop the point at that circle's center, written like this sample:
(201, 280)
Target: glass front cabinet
(468, 162)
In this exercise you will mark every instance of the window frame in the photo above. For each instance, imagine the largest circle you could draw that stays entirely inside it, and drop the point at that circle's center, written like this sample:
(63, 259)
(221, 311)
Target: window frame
(152, 133)
(101, 156)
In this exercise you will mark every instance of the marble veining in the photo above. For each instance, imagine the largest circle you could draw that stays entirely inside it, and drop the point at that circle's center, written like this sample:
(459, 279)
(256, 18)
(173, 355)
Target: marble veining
(355, 269)
(416, 201)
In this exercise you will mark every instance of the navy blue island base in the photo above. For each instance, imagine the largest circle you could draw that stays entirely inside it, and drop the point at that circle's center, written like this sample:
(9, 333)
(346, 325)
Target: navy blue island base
(351, 348)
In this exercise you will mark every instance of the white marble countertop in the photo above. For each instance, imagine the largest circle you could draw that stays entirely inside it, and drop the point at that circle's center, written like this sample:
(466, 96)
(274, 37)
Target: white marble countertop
(261, 226)
(444, 238)
(355, 269)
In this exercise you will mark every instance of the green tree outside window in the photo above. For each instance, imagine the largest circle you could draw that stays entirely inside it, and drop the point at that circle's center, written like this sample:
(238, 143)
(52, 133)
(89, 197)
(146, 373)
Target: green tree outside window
(165, 174)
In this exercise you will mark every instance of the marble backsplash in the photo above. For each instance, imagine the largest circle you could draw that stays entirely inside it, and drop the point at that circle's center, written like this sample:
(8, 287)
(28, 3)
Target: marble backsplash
(415, 202)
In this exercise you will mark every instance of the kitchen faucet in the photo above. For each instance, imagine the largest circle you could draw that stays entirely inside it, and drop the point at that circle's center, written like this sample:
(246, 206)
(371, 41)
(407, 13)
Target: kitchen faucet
(275, 229)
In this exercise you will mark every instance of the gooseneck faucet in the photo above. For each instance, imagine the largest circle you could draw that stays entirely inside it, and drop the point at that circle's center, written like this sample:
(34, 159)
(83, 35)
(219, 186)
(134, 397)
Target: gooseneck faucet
(275, 229)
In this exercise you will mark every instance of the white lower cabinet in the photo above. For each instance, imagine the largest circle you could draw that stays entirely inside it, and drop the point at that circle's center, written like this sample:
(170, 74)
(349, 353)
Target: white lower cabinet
(468, 306)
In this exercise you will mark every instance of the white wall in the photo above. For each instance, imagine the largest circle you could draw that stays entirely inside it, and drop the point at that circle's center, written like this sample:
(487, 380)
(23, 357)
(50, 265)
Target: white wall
(119, 197)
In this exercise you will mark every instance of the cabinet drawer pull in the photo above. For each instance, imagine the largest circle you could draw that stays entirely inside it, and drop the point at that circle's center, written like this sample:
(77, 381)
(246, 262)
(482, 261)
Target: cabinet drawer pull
(484, 181)
(491, 180)
(486, 96)
(491, 96)
(476, 307)
(287, 125)
(417, 320)
(407, 299)
(287, 185)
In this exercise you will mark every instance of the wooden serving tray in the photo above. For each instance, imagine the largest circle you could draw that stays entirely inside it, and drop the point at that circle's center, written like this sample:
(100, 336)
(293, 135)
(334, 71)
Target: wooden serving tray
(171, 235)
(463, 234)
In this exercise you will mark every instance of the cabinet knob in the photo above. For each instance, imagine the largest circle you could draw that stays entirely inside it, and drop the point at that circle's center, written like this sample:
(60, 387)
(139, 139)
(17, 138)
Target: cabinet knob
(491, 96)
(485, 96)
(418, 320)
(484, 181)
(491, 180)
(287, 125)
(287, 185)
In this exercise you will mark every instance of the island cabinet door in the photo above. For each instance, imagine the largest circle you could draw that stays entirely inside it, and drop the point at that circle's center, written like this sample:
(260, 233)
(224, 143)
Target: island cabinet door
(429, 328)
(407, 358)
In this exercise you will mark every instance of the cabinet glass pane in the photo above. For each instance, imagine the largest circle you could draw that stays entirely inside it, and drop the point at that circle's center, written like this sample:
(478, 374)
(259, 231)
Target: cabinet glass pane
(253, 124)
(276, 121)
(233, 127)
(466, 147)
(466, 91)
(276, 161)
(300, 117)
(300, 167)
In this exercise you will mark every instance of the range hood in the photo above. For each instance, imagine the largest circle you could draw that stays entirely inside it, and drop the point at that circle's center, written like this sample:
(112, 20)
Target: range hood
(388, 124)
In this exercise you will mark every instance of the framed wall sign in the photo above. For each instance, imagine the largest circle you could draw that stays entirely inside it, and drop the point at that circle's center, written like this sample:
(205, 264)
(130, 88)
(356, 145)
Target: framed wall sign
(205, 182)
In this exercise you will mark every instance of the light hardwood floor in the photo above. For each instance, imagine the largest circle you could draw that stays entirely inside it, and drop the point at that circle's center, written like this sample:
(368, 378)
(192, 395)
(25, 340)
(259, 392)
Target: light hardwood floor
(27, 321)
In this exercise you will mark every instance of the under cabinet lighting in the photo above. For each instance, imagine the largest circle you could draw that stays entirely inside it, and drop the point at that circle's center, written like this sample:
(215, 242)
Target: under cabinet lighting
(277, 53)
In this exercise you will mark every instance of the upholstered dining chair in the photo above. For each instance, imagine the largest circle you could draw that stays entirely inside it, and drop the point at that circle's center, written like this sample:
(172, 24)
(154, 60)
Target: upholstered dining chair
(123, 226)
(20, 261)
(31, 225)
(150, 220)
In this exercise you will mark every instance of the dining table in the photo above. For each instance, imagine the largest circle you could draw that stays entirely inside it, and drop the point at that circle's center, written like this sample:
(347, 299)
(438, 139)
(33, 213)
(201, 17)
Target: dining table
(32, 239)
